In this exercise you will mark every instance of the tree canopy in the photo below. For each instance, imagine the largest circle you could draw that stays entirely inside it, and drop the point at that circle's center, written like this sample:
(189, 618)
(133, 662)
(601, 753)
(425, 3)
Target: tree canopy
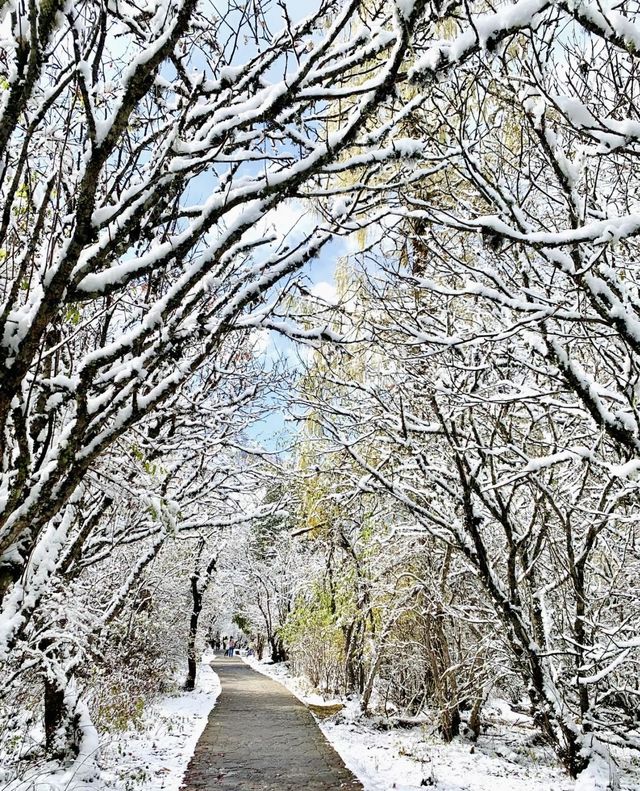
(463, 473)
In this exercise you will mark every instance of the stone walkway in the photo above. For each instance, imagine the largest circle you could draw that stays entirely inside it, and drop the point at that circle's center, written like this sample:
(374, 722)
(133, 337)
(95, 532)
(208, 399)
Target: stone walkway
(261, 738)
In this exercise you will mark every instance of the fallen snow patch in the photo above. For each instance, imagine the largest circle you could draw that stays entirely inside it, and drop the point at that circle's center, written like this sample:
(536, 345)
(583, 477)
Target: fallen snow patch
(155, 757)
(151, 757)
(508, 756)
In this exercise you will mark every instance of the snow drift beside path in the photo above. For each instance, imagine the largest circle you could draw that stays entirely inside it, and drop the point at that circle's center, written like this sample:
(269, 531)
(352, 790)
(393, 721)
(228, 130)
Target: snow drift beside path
(508, 755)
(152, 757)
(155, 758)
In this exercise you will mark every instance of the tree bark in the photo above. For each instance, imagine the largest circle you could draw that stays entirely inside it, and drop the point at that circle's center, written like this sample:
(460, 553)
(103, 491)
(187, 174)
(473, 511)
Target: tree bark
(55, 714)
(197, 595)
(192, 667)
(278, 652)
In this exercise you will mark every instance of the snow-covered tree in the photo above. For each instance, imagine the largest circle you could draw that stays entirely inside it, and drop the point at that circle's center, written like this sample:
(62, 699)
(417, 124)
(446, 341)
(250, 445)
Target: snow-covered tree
(142, 157)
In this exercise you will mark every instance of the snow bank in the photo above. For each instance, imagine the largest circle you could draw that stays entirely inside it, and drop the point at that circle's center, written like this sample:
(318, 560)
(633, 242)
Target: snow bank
(155, 757)
(602, 773)
(508, 755)
(152, 757)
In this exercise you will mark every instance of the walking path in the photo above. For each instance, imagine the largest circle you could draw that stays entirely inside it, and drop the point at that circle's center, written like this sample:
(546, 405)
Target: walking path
(261, 738)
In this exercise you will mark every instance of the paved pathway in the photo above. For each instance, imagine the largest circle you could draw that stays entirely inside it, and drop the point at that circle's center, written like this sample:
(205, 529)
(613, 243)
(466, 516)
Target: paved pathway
(261, 738)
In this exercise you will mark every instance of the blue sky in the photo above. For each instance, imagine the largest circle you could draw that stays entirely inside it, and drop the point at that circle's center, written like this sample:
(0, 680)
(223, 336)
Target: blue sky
(319, 275)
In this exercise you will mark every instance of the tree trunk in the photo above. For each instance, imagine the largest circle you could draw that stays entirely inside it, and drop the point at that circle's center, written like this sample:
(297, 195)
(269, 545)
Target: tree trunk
(475, 722)
(197, 595)
(449, 725)
(192, 666)
(260, 646)
(54, 718)
(278, 652)
(368, 684)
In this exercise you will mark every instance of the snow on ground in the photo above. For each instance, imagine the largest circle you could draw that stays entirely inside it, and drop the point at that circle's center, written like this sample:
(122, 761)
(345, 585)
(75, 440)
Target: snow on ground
(155, 757)
(508, 756)
(150, 757)
(408, 759)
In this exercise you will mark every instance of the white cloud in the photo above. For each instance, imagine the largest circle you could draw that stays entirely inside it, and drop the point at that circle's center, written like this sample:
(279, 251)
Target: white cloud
(261, 341)
(289, 219)
(325, 291)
